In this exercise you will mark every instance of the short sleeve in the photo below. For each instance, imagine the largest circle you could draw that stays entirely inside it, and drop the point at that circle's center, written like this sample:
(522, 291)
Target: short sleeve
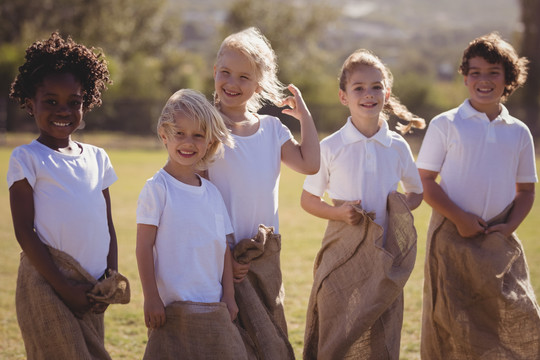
(433, 150)
(284, 134)
(317, 184)
(526, 171)
(227, 225)
(410, 179)
(21, 167)
(151, 203)
(109, 175)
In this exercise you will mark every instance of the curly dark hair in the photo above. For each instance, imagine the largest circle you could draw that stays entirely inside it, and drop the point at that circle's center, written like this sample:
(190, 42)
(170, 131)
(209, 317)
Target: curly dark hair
(495, 50)
(57, 55)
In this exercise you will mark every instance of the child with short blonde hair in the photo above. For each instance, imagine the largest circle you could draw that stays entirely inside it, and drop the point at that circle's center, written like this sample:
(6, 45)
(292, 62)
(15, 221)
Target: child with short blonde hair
(182, 228)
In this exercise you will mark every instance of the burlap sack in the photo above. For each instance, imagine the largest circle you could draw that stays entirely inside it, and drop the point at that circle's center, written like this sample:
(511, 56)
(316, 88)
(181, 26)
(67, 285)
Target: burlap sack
(196, 331)
(112, 290)
(478, 299)
(356, 305)
(259, 297)
(49, 329)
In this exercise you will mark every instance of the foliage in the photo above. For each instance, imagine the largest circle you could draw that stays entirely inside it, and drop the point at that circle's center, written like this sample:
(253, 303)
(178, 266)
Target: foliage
(156, 47)
(530, 97)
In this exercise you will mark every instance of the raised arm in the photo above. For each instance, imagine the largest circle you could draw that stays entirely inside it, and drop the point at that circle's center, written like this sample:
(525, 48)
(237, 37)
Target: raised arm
(303, 157)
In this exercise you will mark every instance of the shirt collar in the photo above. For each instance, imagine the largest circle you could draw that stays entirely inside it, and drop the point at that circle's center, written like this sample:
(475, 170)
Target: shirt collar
(350, 134)
(467, 111)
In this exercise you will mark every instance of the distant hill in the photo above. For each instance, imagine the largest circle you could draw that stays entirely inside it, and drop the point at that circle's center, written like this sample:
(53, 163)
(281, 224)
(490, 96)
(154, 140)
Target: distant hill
(437, 29)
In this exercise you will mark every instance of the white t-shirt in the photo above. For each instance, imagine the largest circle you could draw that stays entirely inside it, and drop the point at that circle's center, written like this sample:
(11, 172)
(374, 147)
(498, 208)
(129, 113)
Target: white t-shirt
(248, 177)
(192, 224)
(354, 167)
(479, 161)
(70, 210)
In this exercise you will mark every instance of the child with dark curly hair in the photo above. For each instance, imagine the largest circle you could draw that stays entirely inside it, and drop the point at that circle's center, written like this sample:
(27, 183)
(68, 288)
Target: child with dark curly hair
(478, 170)
(60, 204)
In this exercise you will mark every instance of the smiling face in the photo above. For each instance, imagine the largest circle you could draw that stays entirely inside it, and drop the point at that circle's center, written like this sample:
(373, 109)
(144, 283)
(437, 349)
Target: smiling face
(57, 108)
(486, 83)
(186, 144)
(235, 80)
(365, 95)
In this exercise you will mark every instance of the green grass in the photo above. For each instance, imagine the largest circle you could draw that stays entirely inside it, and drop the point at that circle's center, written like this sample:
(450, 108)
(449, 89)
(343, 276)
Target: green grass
(302, 233)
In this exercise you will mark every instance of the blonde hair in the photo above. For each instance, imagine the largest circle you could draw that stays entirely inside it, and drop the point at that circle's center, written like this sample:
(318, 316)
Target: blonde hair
(392, 105)
(196, 107)
(256, 47)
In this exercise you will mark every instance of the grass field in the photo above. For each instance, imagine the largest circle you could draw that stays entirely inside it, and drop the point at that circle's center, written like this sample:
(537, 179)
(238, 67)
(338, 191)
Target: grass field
(302, 233)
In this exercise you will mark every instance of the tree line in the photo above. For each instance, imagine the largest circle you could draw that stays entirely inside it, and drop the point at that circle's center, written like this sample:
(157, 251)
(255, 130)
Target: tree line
(152, 51)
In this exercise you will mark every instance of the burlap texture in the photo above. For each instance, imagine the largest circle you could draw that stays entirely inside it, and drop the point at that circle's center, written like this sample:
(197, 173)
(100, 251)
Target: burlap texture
(259, 297)
(195, 331)
(112, 290)
(356, 305)
(49, 329)
(478, 299)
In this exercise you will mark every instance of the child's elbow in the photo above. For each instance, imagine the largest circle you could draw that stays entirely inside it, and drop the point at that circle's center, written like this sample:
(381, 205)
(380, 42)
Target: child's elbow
(313, 166)
(313, 170)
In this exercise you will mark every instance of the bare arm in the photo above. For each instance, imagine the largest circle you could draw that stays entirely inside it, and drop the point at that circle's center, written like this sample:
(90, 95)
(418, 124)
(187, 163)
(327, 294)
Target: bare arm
(345, 212)
(413, 200)
(154, 310)
(523, 203)
(468, 225)
(112, 258)
(228, 286)
(22, 211)
(305, 157)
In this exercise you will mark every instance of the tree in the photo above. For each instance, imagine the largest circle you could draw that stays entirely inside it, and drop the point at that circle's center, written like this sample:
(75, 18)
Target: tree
(140, 38)
(530, 48)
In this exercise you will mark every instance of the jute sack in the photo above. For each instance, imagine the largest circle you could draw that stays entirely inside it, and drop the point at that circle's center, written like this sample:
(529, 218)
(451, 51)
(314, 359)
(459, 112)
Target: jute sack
(478, 299)
(355, 308)
(195, 331)
(260, 296)
(49, 329)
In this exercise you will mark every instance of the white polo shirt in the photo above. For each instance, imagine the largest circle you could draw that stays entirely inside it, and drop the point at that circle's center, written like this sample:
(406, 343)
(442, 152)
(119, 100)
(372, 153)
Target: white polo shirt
(479, 161)
(354, 167)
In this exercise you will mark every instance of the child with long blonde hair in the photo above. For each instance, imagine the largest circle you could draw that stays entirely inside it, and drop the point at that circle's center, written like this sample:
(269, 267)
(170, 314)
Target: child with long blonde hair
(245, 78)
(361, 167)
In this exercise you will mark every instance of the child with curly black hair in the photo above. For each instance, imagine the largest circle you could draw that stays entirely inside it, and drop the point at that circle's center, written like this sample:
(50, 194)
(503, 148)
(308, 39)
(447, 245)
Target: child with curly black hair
(60, 204)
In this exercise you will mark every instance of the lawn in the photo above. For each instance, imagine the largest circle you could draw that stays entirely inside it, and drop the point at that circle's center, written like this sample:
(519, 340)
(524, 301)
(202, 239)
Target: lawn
(135, 160)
